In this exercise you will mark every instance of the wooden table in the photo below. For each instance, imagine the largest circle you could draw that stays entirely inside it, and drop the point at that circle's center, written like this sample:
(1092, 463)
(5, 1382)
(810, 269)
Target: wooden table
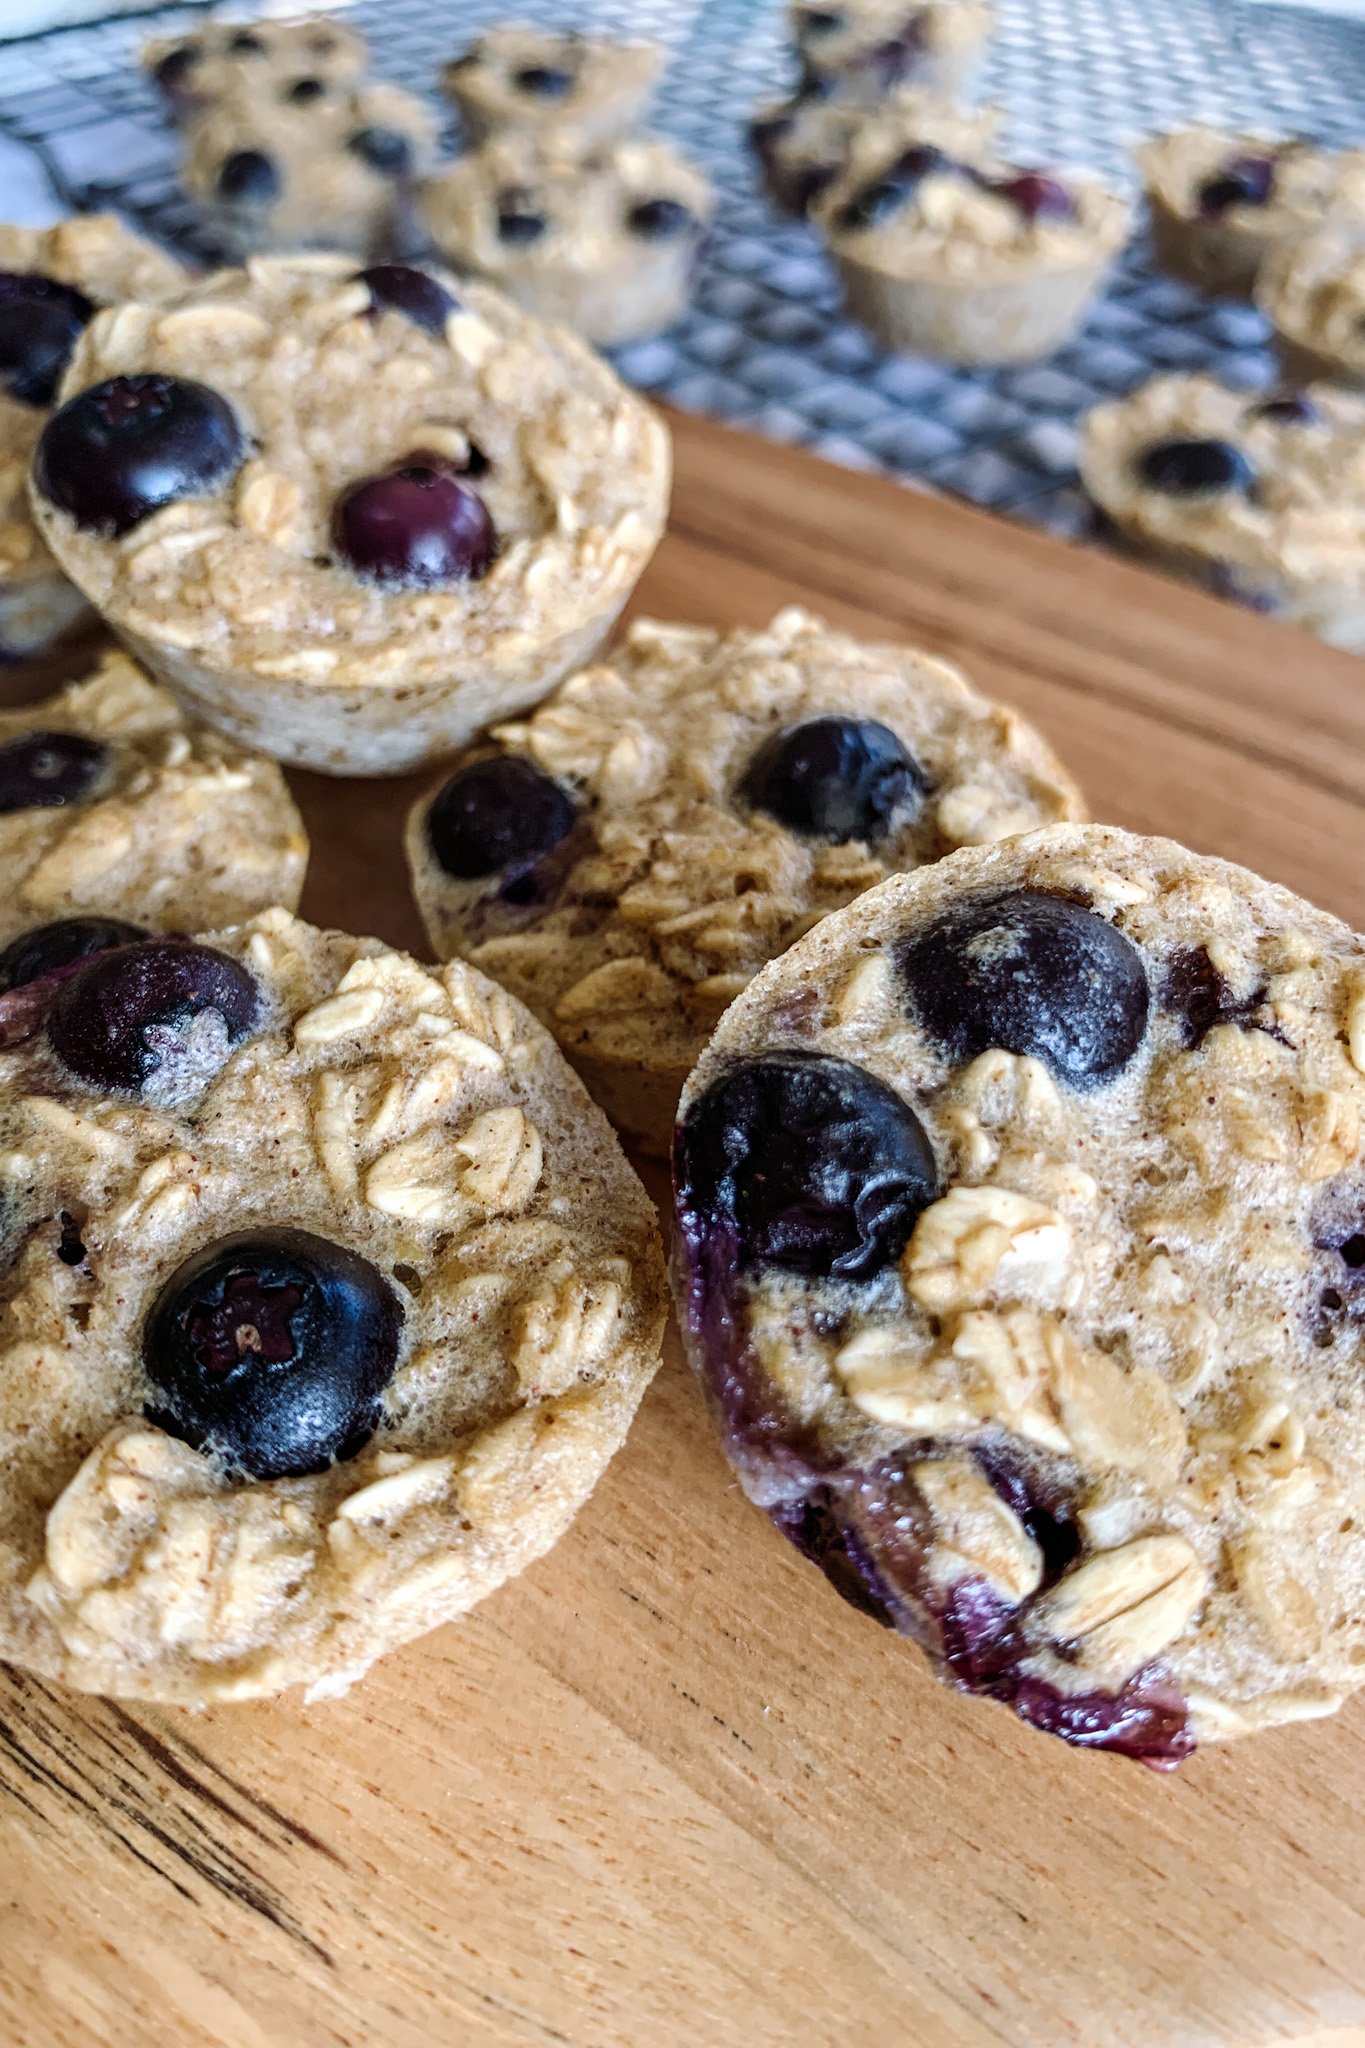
(667, 1791)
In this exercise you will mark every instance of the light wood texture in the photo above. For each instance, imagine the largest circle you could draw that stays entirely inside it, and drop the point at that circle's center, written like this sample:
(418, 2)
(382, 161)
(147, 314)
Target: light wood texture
(667, 1791)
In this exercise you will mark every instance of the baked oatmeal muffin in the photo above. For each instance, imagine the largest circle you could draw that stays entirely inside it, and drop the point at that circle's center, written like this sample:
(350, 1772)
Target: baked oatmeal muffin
(967, 260)
(113, 802)
(1261, 498)
(350, 517)
(532, 80)
(337, 170)
(668, 822)
(272, 59)
(1220, 203)
(52, 282)
(1019, 1250)
(1313, 293)
(602, 239)
(805, 144)
(328, 1297)
(872, 46)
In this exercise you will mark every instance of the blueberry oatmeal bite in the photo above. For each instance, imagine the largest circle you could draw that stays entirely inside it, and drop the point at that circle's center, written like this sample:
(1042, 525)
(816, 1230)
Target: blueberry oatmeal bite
(530, 81)
(1258, 496)
(1312, 291)
(670, 820)
(873, 46)
(52, 283)
(337, 169)
(964, 258)
(225, 59)
(350, 516)
(328, 1298)
(602, 239)
(114, 803)
(1220, 203)
(805, 144)
(1018, 1212)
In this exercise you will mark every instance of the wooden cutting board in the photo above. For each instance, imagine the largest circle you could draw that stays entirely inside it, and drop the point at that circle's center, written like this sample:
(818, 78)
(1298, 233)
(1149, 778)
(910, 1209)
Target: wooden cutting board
(667, 1791)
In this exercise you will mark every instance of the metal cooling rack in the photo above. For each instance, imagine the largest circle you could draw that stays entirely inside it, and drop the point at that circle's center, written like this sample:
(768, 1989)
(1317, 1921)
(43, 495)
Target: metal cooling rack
(764, 345)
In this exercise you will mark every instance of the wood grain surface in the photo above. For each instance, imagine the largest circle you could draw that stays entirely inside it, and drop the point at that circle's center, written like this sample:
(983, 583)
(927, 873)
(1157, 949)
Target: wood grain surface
(667, 1791)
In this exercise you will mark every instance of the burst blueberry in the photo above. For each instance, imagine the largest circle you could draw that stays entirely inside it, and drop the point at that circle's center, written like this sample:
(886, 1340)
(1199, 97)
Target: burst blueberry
(166, 1011)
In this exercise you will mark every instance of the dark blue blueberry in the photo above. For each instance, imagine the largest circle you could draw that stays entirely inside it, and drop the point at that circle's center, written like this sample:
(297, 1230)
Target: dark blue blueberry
(1190, 468)
(384, 150)
(41, 770)
(127, 446)
(1242, 181)
(766, 129)
(248, 178)
(882, 198)
(40, 323)
(173, 72)
(272, 1348)
(660, 220)
(544, 81)
(399, 288)
(811, 1164)
(419, 526)
(518, 220)
(246, 44)
(498, 816)
(820, 21)
(1198, 997)
(1036, 975)
(835, 778)
(1288, 409)
(58, 948)
(304, 92)
(118, 1021)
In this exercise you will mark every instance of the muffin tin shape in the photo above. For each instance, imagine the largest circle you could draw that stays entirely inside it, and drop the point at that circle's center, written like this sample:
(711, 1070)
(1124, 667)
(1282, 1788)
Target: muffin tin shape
(1088, 1423)
(805, 144)
(103, 261)
(602, 239)
(226, 59)
(964, 258)
(1261, 497)
(531, 81)
(237, 599)
(335, 171)
(1220, 202)
(872, 46)
(674, 886)
(511, 1295)
(1313, 293)
(159, 821)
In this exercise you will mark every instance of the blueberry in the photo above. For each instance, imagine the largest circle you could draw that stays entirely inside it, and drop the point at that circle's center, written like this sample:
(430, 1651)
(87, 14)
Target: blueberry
(173, 72)
(893, 61)
(809, 183)
(544, 81)
(1242, 181)
(876, 202)
(304, 92)
(821, 21)
(518, 221)
(1037, 196)
(1198, 997)
(498, 816)
(383, 149)
(247, 178)
(813, 1165)
(767, 129)
(835, 778)
(41, 770)
(399, 288)
(1035, 975)
(125, 447)
(166, 1010)
(40, 323)
(272, 1348)
(418, 526)
(1190, 468)
(660, 220)
(1288, 409)
(245, 44)
(60, 948)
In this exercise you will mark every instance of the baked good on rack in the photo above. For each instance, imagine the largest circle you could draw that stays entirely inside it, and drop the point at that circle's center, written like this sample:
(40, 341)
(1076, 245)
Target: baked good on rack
(335, 171)
(1019, 1251)
(52, 282)
(673, 818)
(873, 46)
(964, 258)
(328, 1297)
(350, 516)
(271, 59)
(1220, 202)
(603, 239)
(804, 144)
(1313, 293)
(531, 80)
(113, 802)
(1259, 496)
